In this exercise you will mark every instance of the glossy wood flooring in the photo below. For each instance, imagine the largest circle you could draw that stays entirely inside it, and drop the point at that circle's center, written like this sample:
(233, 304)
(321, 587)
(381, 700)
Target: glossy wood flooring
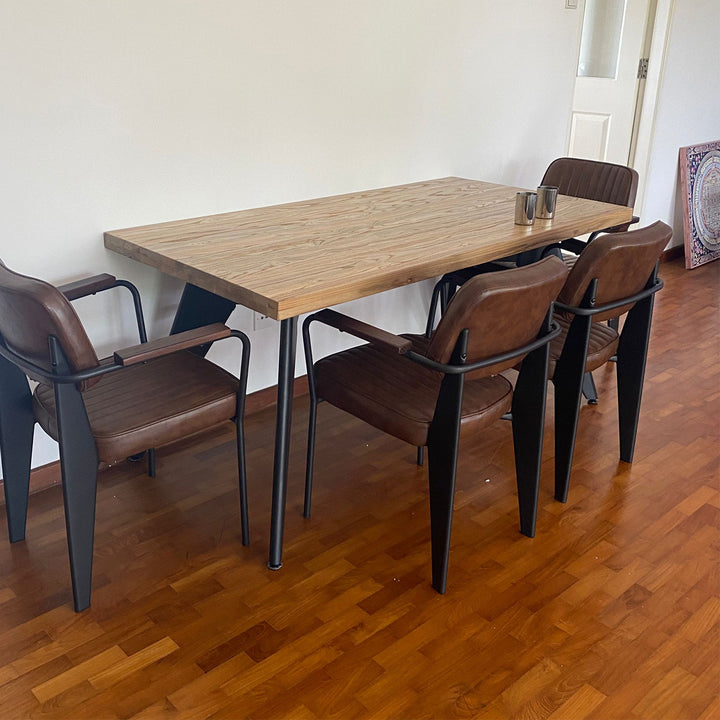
(611, 612)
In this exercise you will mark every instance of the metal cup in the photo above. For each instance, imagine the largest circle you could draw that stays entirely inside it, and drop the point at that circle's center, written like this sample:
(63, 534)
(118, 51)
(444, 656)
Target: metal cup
(525, 208)
(546, 201)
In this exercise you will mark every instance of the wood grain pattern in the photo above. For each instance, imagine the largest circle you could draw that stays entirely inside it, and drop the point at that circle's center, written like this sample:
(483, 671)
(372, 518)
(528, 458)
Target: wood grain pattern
(286, 260)
(612, 611)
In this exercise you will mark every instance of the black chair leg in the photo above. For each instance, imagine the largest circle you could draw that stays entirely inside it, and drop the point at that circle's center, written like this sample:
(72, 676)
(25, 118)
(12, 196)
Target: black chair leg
(443, 442)
(568, 382)
(528, 420)
(631, 361)
(16, 438)
(442, 293)
(151, 462)
(444, 297)
(242, 479)
(240, 437)
(434, 300)
(442, 465)
(312, 416)
(421, 456)
(448, 291)
(567, 412)
(589, 390)
(309, 465)
(79, 462)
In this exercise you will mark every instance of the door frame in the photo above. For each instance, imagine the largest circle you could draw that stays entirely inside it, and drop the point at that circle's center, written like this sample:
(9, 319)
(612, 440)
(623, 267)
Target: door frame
(643, 130)
(646, 125)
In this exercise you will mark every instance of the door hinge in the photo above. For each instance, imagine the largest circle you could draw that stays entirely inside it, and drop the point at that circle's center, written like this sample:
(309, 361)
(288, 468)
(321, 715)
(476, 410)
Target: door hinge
(643, 68)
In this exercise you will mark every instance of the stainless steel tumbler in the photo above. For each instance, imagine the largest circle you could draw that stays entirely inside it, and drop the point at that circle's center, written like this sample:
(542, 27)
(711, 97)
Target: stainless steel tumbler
(546, 201)
(525, 208)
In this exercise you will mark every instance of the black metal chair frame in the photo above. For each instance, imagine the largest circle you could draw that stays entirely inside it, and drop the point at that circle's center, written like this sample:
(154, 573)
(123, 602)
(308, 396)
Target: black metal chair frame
(445, 288)
(570, 372)
(78, 453)
(528, 411)
(100, 283)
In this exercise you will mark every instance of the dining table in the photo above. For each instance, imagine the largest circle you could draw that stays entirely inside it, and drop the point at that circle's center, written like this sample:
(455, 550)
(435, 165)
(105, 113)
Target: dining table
(287, 260)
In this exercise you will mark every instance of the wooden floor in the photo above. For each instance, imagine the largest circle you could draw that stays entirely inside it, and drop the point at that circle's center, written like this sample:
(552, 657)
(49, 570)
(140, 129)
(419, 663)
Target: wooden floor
(611, 612)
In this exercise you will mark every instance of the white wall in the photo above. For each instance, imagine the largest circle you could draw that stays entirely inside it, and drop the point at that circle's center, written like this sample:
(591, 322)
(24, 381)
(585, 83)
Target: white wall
(118, 113)
(688, 109)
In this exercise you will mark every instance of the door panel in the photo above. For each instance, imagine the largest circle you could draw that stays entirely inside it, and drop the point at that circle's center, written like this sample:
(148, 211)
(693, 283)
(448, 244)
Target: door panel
(589, 135)
(606, 84)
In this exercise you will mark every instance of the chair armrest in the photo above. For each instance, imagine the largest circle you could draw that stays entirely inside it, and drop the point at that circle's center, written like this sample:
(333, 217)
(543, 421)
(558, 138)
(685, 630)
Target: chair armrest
(622, 227)
(87, 286)
(167, 345)
(652, 287)
(364, 331)
(450, 369)
(98, 283)
(576, 246)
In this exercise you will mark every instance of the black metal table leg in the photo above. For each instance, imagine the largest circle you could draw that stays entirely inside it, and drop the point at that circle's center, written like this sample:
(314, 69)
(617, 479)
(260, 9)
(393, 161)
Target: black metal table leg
(286, 376)
(199, 307)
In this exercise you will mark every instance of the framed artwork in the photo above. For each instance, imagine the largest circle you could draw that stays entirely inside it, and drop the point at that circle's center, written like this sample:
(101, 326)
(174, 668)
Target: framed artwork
(700, 181)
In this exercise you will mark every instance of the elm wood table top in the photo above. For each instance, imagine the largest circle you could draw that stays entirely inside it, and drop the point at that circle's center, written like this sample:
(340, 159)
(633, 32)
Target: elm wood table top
(285, 260)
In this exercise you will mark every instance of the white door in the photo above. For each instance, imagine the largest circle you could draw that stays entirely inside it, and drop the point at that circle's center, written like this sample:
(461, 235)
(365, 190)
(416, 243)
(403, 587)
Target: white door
(606, 87)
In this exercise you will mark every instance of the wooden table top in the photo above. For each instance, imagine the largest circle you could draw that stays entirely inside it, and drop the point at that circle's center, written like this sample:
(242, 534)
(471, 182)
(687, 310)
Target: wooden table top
(285, 260)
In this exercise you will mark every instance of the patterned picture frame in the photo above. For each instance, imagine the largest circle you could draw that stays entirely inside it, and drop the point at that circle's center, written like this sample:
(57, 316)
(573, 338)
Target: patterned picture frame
(700, 185)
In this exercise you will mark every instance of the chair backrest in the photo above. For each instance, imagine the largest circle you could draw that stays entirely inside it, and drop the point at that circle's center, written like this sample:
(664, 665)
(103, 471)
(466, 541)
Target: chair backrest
(502, 310)
(32, 310)
(593, 180)
(621, 262)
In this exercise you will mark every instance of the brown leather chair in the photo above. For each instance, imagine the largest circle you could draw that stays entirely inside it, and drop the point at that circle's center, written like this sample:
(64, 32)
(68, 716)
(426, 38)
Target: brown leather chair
(616, 274)
(576, 177)
(592, 180)
(421, 390)
(99, 410)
